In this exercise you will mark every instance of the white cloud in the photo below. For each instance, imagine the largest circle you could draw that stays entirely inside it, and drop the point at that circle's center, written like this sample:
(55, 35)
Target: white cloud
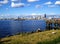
(4, 2)
(17, 4)
(51, 5)
(38, 6)
(33, 14)
(32, 0)
(48, 3)
(14, 0)
(57, 2)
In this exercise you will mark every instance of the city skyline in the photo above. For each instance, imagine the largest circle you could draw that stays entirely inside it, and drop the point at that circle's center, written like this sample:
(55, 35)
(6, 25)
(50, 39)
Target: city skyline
(14, 8)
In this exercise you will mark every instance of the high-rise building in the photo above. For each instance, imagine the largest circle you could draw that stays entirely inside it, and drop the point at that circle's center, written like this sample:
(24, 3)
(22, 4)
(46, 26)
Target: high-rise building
(44, 15)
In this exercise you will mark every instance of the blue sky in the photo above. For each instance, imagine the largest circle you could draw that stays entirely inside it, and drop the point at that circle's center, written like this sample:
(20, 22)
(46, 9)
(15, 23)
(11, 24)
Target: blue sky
(14, 8)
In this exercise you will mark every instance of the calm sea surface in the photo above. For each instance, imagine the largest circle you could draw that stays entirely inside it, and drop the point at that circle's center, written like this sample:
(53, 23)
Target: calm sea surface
(10, 27)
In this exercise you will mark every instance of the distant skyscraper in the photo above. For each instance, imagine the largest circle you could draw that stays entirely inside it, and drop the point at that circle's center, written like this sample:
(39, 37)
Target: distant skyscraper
(44, 15)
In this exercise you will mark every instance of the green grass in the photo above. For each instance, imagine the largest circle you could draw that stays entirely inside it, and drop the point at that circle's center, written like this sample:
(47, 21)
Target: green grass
(45, 37)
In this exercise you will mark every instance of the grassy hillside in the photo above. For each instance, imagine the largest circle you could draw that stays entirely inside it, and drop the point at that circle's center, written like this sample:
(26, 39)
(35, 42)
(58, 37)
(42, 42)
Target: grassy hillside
(46, 37)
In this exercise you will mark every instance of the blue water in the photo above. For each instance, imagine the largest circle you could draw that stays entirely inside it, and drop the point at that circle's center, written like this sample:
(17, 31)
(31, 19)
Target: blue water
(10, 27)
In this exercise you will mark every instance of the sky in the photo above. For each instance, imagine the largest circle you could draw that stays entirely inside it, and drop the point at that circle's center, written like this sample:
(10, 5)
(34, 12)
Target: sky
(14, 8)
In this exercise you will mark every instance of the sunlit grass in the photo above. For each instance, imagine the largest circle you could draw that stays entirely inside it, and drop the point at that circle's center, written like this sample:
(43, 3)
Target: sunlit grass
(45, 37)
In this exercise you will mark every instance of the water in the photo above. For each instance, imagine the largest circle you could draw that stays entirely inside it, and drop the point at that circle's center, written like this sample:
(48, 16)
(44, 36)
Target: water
(10, 27)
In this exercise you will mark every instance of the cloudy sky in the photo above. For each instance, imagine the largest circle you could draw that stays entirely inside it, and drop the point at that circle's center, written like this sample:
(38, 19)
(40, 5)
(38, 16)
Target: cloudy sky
(13, 8)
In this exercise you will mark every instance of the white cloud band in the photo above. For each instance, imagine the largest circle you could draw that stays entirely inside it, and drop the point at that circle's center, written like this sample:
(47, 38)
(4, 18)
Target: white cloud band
(32, 0)
(17, 4)
(57, 2)
(4, 2)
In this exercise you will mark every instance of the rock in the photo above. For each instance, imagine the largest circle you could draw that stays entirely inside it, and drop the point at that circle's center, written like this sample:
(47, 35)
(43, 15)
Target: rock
(53, 32)
(38, 30)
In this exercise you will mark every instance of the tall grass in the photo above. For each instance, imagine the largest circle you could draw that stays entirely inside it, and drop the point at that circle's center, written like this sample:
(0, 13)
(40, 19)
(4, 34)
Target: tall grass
(45, 37)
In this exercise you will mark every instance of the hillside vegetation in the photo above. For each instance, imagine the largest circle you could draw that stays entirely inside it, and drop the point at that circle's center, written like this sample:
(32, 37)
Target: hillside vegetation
(46, 37)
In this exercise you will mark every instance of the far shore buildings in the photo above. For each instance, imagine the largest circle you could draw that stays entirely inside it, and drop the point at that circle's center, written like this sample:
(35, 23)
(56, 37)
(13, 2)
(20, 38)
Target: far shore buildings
(30, 17)
(33, 17)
